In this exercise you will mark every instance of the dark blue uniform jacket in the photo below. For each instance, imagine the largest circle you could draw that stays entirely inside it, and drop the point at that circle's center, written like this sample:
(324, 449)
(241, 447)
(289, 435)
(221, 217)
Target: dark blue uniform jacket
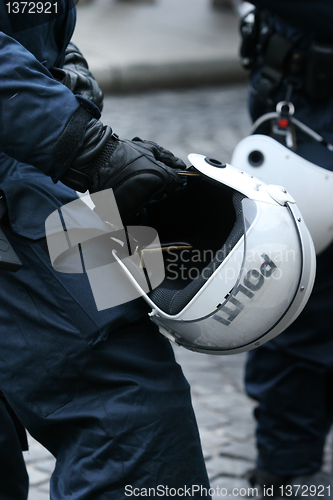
(34, 110)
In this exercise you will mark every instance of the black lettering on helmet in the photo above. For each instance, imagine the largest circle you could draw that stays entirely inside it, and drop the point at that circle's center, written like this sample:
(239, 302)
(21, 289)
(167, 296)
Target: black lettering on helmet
(254, 285)
(252, 282)
(221, 320)
(267, 267)
(232, 313)
(244, 290)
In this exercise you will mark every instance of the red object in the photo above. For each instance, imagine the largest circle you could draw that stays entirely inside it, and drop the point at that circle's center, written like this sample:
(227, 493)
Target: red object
(283, 122)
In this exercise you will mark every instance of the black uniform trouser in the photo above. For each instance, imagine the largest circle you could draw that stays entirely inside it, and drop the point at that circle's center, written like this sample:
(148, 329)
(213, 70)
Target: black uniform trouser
(100, 390)
(292, 378)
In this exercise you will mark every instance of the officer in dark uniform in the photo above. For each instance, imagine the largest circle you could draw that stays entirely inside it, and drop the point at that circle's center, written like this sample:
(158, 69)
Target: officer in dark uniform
(289, 50)
(100, 390)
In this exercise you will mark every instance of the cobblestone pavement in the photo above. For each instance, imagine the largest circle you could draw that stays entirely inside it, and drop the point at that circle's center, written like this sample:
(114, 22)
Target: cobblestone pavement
(208, 121)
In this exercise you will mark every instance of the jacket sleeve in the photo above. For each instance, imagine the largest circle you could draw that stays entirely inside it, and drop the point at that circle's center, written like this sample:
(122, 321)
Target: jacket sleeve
(314, 16)
(34, 108)
(75, 74)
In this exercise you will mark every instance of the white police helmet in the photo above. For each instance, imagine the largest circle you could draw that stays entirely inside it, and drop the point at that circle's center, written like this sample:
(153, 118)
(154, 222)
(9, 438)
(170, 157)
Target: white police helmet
(273, 154)
(239, 264)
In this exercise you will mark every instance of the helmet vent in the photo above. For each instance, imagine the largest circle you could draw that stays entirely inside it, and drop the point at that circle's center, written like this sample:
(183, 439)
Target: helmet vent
(215, 163)
(256, 158)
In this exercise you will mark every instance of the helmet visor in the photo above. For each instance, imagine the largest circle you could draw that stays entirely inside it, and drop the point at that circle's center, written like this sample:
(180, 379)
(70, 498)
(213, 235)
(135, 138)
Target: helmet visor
(251, 291)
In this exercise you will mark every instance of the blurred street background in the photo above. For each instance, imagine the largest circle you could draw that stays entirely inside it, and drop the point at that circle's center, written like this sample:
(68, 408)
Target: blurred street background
(171, 74)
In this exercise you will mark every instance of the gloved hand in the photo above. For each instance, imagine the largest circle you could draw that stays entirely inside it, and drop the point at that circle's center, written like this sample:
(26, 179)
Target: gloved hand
(76, 76)
(137, 171)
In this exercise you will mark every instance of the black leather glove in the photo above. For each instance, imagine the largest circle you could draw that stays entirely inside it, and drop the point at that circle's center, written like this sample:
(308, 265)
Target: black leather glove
(137, 171)
(76, 76)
